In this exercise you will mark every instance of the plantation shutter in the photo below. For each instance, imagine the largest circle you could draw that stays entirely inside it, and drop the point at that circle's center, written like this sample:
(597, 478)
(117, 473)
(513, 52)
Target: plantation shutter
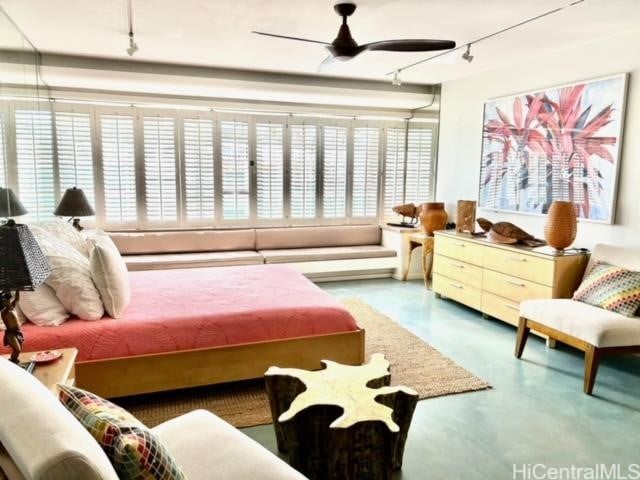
(366, 142)
(270, 170)
(160, 170)
(118, 165)
(198, 169)
(334, 171)
(34, 148)
(419, 166)
(303, 170)
(394, 169)
(75, 160)
(234, 145)
(3, 153)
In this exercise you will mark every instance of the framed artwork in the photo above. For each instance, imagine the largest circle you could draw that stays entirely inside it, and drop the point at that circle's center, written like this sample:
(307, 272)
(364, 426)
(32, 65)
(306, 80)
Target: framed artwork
(562, 143)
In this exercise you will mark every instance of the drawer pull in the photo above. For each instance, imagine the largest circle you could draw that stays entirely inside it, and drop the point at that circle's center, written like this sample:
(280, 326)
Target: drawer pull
(462, 244)
(457, 285)
(518, 259)
(517, 284)
(512, 307)
(457, 265)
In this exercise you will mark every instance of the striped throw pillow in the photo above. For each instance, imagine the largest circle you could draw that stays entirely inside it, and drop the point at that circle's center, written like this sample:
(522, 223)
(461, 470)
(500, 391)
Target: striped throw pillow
(612, 288)
(134, 451)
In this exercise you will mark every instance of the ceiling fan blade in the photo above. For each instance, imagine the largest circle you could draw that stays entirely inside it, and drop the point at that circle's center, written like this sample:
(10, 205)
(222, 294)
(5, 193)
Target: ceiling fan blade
(409, 45)
(327, 63)
(290, 38)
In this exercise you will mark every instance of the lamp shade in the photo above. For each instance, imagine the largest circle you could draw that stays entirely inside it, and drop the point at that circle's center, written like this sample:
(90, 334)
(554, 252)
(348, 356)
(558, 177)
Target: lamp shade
(10, 206)
(23, 265)
(74, 203)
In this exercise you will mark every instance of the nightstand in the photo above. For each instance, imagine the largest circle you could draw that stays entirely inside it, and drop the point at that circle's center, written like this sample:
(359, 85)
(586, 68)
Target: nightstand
(61, 370)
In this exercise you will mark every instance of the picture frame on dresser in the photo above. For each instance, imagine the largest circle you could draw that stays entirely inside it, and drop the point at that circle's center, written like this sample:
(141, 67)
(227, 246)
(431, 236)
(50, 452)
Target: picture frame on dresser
(557, 143)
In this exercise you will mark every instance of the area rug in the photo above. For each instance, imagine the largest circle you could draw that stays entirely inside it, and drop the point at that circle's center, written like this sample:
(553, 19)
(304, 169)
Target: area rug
(243, 404)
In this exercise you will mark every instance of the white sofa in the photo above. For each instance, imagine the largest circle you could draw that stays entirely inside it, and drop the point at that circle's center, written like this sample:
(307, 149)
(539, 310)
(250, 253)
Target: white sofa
(593, 330)
(41, 440)
(330, 252)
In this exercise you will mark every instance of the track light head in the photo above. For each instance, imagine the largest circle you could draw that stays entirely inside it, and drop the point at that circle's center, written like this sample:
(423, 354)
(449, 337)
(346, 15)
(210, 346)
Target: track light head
(397, 81)
(467, 54)
(133, 46)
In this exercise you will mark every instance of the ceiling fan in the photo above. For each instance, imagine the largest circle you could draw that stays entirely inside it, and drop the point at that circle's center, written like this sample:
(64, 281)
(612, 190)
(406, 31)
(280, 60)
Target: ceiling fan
(344, 47)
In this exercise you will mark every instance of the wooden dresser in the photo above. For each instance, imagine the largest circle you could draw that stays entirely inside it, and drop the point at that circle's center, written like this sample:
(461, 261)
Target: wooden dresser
(495, 278)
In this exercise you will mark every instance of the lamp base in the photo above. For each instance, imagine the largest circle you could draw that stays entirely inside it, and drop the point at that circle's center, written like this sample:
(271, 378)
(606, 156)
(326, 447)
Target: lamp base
(76, 224)
(13, 337)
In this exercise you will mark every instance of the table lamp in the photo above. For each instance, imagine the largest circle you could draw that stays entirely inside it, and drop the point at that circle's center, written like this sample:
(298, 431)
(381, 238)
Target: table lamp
(74, 204)
(23, 268)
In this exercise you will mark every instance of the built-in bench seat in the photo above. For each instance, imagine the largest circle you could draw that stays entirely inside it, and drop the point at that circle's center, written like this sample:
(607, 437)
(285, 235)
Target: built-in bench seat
(315, 251)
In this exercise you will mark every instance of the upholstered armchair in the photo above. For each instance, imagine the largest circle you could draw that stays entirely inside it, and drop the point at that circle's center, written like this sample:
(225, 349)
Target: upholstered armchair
(595, 331)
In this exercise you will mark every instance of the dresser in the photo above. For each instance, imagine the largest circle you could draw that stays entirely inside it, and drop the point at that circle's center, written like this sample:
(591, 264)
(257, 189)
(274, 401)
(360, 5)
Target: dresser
(494, 278)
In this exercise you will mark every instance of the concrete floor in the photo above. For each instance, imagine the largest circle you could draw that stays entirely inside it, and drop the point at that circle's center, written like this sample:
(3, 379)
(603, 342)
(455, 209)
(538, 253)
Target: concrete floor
(536, 412)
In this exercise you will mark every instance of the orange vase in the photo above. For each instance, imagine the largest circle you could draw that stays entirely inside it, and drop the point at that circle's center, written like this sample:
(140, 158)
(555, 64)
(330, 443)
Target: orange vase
(562, 225)
(433, 217)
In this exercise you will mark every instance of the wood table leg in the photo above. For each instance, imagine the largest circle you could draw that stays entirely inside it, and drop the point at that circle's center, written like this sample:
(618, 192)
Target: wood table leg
(591, 363)
(412, 247)
(522, 336)
(427, 252)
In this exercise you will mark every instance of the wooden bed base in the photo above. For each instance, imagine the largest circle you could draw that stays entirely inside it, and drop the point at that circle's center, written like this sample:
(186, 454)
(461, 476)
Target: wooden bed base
(119, 377)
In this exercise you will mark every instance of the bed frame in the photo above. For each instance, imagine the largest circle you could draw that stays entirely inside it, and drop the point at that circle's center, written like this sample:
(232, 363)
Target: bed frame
(119, 377)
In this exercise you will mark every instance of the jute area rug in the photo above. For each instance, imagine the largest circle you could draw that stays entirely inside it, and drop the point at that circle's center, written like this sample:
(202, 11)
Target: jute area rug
(243, 404)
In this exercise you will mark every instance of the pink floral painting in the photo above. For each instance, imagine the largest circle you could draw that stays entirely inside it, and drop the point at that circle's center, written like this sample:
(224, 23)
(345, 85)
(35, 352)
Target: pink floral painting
(559, 144)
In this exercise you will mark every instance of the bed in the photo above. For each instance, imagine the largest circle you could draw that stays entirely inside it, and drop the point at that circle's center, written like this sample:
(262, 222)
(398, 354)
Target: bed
(193, 327)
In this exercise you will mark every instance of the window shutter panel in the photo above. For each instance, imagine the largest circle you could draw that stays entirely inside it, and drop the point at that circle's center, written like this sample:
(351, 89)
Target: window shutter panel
(198, 169)
(234, 144)
(366, 141)
(75, 159)
(419, 166)
(303, 170)
(160, 170)
(334, 171)
(34, 148)
(119, 172)
(3, 152)
(394, 169)
(270, 170)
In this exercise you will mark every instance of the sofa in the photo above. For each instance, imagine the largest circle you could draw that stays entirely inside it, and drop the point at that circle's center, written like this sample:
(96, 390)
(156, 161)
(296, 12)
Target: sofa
(41, 440)
(595, 331)
(320, 252)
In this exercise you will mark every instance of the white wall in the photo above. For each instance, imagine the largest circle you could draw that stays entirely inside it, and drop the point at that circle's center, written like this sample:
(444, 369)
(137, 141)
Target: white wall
(461, 130)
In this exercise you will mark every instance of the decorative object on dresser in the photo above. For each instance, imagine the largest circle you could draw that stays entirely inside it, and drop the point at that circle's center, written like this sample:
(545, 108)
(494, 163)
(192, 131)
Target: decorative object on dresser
(23, 268)
(594, 330)
(432, 217)
(406, 210)
(562, 225)
(562, 143)
(74, 204)
(507, 232)
(466, 216)
(319, 417)
(495, 278)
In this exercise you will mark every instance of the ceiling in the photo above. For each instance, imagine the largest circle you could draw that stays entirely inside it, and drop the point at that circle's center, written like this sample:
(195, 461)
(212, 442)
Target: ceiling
(218, 33)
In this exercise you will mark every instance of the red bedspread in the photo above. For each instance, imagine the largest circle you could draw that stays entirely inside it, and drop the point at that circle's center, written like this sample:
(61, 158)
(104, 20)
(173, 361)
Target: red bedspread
(175, 310)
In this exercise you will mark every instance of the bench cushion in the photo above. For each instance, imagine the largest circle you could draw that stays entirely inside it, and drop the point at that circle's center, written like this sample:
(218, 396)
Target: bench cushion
(136, 243)
(313, 237)
(207, 447)
(191, 260)
(594, 325)
(290, 255)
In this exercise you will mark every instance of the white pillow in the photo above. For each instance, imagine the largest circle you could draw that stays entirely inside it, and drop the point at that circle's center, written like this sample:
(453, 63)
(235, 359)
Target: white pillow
(70, 277)
(109, 273)
(67, 233)
(42, 307)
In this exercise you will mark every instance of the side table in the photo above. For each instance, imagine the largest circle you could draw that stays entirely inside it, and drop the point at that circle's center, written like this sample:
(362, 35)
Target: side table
(426, 242)
(51, 374)
(343, 422)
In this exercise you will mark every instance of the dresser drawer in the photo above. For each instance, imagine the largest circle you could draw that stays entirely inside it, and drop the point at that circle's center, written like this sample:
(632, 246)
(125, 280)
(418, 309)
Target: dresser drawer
(520, 265)
(500, 308)
(514, 288)
(463, 250)
(457, 270)
(455, 290)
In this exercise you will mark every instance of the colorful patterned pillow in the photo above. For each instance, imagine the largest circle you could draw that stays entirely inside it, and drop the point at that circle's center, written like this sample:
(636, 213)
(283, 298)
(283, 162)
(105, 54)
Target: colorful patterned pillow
(612, 288)
(135, 452)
